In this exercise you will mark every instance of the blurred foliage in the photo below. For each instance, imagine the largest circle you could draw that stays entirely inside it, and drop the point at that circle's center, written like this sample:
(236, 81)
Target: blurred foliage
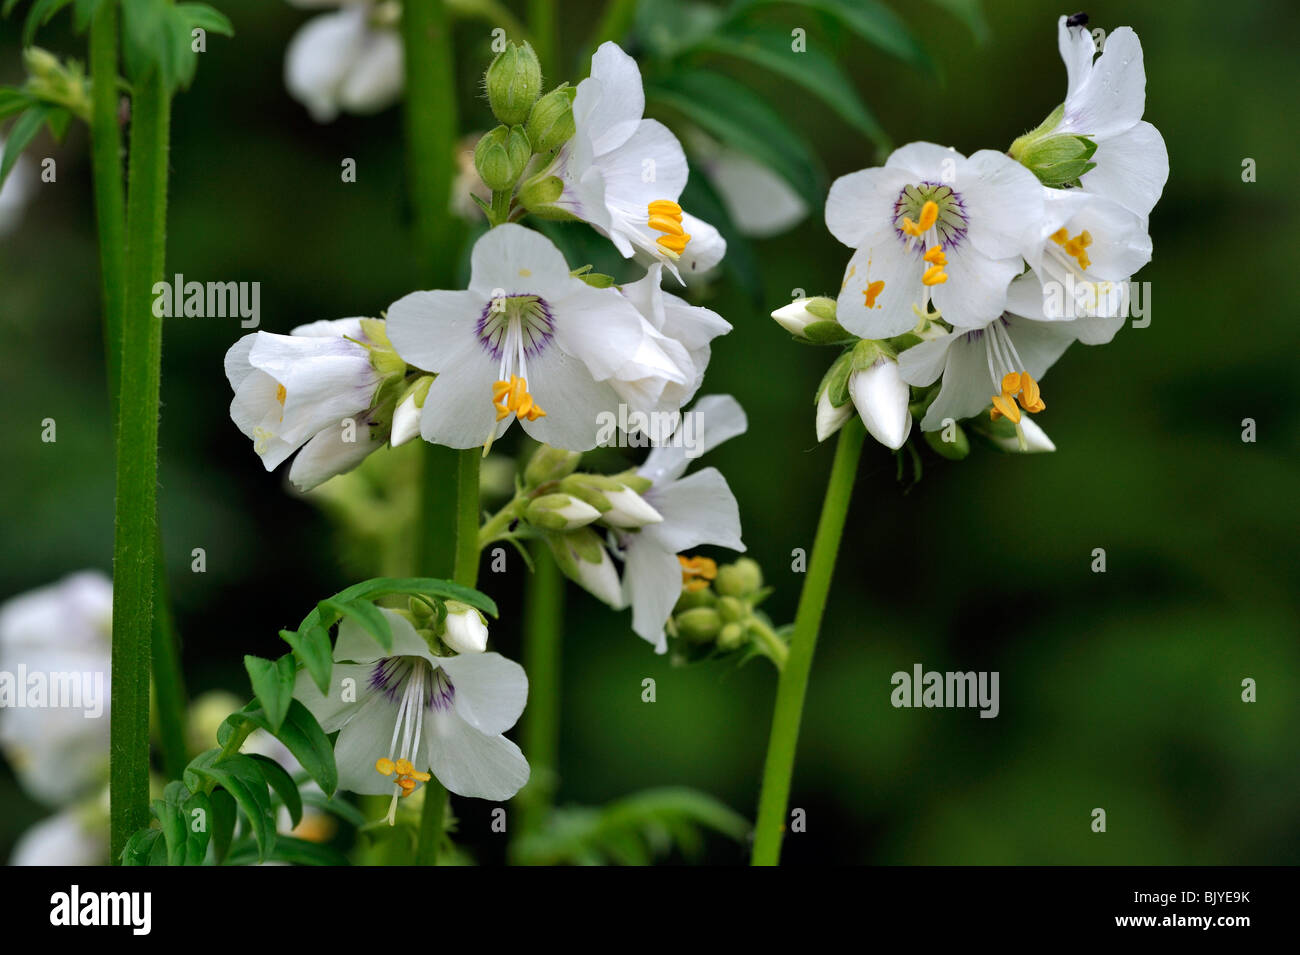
(1119, 690)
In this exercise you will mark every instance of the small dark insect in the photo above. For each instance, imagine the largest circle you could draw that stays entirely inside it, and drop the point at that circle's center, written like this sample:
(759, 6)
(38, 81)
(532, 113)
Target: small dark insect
(1078, 20)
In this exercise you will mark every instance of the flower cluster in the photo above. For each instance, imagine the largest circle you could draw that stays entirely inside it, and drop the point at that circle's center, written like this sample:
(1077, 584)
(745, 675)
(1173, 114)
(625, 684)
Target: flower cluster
(972, 275)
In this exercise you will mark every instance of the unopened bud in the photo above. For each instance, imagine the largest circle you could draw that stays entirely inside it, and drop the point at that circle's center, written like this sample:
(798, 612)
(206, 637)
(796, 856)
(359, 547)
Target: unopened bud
(550, 464)
(700, 625)
(550, 124)
(628, 509)
(559, 512)
(731, 636)
(812, 319)
(514, 81)
(464, 630)
(881, 397)
(406, 417)
(740, 579)
(501, 157)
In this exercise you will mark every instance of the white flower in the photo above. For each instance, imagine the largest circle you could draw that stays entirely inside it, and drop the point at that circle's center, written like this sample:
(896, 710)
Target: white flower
(347, 61)
(623, 174)
(683, 333)
(527, 340)
(1036, 439)
(1001, 363)
(313, 387)
(465, 630)
(15, 193)
(58, 636)
(1104, 101)
(67, 838)
(931, 223)
(881, 397)
(1090, 248)
(830, 418)
(406, 714)
(697, 509)
(760, 202)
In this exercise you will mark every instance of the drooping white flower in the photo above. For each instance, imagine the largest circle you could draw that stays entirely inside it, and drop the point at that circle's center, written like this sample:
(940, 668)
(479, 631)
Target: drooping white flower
(406, 714)
(932, 224)
(527, 340)
(881, 397)
(1104, 100)
(683, 332)
(1001, 363)
(697, 509)
(466, 632)
(54, 686)
(623, 174)
(67, 838)
(346, 61)
(314, 387)
(15, 193)
(1090, 248)
(830, 418)
(760, 202)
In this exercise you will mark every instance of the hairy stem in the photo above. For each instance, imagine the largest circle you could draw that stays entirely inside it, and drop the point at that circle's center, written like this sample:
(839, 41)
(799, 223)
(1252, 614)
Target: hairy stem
(135, 537)
(792, 685)
(543, 621)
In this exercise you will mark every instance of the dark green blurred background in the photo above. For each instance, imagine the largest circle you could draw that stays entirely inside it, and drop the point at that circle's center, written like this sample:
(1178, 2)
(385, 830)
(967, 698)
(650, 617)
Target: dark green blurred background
(1118, 690)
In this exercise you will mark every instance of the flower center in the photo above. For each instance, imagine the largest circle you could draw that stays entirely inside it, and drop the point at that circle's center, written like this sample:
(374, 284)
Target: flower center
(422, 687)
(666, 217)
(1007, 374)
(514, 328)
(1076, 247)
(697, 572)
(931, 211)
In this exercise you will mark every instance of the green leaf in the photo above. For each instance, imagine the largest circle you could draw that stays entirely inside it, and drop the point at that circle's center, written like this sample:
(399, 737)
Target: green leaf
(969, 12)
(335, 806)
(812, 68)
(8, 7)
(272, 685)
(282, 784)
(741, 119)
(139, 847)
(242, 777)
(205, 18)
(290, 850)
(58, 121)
(301, 735)
(314, 652)
(83, 13)
(222, 822)
(371, 619)
(13, 100)
(378, 587)
(39, 15)
(872, 21)
(172, 819)
(196, 844)
(22, 132)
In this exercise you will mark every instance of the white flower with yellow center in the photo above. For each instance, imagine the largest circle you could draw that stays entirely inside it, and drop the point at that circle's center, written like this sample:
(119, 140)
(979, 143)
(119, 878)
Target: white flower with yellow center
(1104, 100)
(313, 387)
(932, 225)
(624, 174)
(526, 341)
(1001, 363)
(406, 715)
(696, 509)
(1091, 247)
(57, 636)
(347, 61)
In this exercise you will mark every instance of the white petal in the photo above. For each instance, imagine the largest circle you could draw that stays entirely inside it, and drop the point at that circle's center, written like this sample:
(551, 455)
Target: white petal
(365, 739)
(331, 710)
(466, 632)
(238, 367)
(861, 204)
(830, 418)
(406, 422)
(923, 363)
(652, 582)
(490, 690)
(1113, 95)
(698, 509)
(711, 420)
(472, 764)
(976, 291)
(929, 162)
(576, 405)
(513, 260)
(1005, 205)
(609, 105)
(328, 454)
(430, 329)
(1077, 48)
(319, 57)
(355, 643)
(650, 165)
(376, 79)
(1132, 169)
(881, 397)
(967, 386)
(759, 202)
(881, 258)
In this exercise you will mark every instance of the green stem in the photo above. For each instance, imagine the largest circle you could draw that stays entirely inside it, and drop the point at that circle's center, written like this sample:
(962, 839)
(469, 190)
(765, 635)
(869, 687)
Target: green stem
(168, 679)
(544, 27)
(135, 531)
(495, 527)
(543, 622)
(792, 685)
(773, 645)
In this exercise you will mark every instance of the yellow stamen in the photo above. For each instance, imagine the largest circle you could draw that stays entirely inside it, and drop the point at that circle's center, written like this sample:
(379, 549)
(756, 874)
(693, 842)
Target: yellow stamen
(404, 767)
(1003, 405)
(385, 766)
(934, 275)
(910, 227)
(934, 255)
(697, 572)
(665, 207)
(1017, 385)
(512, 397)
(929, 215)
(675, 244)
(872, 291)
(666, 224)
(1075, 246)
(666, 217)
(1060, 235)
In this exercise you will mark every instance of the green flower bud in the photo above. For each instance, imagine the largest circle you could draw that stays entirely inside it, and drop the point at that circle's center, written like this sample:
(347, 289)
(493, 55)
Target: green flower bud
(704, 597)
(731, 637)
(700, 625)
(514, 81)
(501, 157)
(1058, 160)
(550, 464)
(732, 609)
(538, 194)
(550, 124)
(740, 579)
(559, 512)
(956, 448)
